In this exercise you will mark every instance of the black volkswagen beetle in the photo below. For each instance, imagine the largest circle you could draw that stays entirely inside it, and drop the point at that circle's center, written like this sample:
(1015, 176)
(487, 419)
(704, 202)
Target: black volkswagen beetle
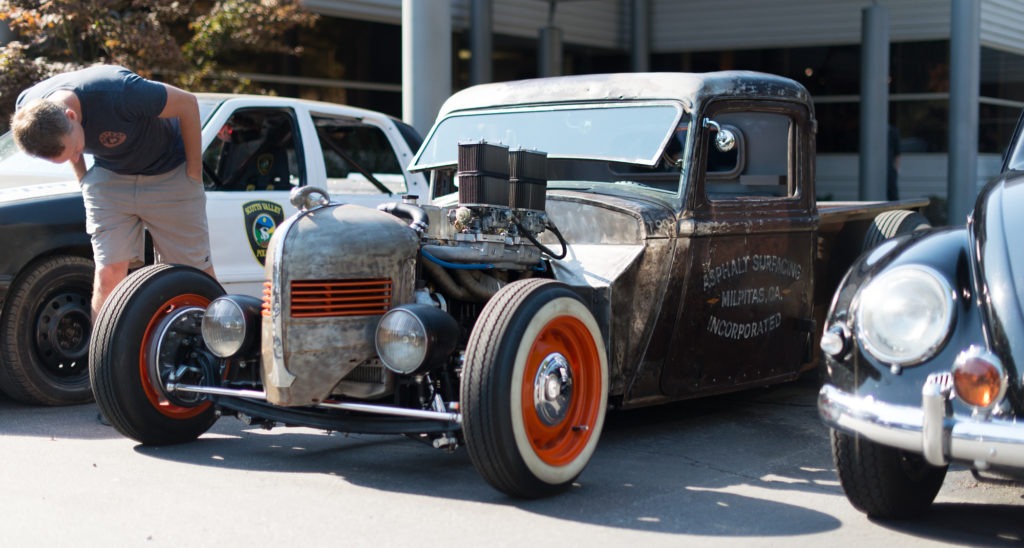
(920, 348)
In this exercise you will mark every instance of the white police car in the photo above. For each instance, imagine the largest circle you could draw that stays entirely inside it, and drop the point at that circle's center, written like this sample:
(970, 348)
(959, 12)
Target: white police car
(256, 149)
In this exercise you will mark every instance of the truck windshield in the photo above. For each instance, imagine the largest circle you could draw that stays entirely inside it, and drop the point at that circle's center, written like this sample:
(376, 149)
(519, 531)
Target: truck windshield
(631, 134)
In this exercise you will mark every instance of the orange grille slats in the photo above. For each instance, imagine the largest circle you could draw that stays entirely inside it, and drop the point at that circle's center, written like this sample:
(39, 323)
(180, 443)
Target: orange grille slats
(267, 288)
(332, 298)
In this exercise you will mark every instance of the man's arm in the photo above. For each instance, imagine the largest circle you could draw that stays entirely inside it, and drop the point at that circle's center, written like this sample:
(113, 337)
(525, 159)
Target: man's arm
(79, 167)
(184, 106)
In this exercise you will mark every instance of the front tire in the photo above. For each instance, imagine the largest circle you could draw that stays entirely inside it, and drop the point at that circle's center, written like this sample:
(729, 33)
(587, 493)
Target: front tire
(45, 324)
(534, 389)
(146, 334)
(884, 482)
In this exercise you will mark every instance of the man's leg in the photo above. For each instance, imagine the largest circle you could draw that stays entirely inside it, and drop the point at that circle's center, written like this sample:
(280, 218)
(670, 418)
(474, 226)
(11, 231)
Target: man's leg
(115, 229)
(107, 277)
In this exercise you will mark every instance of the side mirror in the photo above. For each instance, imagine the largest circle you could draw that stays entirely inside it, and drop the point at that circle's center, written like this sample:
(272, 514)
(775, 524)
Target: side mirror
(725, 139)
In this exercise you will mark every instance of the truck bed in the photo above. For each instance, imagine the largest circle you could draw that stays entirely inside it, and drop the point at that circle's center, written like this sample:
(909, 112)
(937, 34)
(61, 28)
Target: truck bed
(836, 214)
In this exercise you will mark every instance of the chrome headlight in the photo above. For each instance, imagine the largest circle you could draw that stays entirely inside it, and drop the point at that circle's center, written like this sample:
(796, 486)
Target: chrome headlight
(413, 338)
(904, 315)
(231, 324)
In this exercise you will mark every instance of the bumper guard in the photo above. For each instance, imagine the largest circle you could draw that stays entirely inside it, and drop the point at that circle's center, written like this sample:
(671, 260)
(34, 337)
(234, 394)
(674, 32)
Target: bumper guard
(931, 430)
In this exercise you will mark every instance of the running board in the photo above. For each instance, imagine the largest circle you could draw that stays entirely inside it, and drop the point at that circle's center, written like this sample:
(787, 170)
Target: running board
(360, 407)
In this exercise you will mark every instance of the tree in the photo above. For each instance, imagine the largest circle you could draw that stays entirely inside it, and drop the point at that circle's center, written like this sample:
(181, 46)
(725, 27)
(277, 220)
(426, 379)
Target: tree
(182, 42)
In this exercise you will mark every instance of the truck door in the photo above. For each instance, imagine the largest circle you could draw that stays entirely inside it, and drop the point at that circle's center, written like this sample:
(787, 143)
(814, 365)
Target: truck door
(745, 315)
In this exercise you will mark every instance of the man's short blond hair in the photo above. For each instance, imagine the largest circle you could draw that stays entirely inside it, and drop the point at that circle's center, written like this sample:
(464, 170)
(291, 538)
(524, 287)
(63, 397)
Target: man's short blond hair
(39, 128)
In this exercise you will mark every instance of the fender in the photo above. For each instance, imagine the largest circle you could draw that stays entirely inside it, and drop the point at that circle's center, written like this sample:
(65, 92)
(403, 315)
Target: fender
(39, 226)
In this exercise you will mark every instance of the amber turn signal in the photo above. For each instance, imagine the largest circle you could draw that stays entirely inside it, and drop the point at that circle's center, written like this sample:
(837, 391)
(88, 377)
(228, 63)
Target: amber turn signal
(978, 378)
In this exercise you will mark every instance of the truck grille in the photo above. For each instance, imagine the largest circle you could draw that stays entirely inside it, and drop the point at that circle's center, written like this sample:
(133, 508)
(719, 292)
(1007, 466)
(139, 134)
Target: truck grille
(336, 298)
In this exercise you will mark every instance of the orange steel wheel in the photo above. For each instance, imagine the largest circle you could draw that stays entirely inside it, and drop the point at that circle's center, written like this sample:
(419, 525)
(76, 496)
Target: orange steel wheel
(148, 373)
(561, 391)
(534, 388)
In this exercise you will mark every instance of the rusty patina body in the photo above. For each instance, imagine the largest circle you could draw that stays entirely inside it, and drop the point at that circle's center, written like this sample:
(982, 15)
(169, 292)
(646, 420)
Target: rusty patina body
(697, 295)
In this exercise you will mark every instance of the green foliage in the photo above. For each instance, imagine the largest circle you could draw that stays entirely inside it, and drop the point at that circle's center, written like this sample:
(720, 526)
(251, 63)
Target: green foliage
(181, 42)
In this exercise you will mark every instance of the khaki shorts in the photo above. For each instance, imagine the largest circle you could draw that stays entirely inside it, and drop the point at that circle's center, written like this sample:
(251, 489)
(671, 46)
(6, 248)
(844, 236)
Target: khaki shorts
(171, 206)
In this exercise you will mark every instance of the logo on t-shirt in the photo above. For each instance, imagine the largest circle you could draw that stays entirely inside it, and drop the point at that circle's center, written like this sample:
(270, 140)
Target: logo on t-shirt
(111, 139)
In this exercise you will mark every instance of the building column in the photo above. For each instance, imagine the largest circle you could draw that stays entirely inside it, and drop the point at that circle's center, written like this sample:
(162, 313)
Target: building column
(481, 36)
(426, 60)
(964, 94)
(641, 54)
(874, 102)
(549, 46)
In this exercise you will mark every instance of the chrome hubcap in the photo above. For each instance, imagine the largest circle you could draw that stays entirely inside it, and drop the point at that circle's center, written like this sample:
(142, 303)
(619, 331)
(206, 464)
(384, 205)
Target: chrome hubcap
(552, 389)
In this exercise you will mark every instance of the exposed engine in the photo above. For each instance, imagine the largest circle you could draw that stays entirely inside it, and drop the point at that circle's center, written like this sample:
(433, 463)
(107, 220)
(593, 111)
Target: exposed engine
(340, 274)
(469, 250)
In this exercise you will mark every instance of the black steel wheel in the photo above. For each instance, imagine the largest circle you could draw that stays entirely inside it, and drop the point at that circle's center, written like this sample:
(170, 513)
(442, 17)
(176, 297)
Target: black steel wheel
(45, 326)
(882, 481)
(147, 334)
(534, 388)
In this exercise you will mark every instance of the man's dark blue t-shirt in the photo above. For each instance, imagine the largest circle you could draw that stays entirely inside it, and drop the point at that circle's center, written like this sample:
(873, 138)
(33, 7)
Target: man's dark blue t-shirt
(120, 112)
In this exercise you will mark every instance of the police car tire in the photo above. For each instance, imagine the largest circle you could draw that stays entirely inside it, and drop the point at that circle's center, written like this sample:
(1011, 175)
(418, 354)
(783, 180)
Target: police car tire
(44, 332)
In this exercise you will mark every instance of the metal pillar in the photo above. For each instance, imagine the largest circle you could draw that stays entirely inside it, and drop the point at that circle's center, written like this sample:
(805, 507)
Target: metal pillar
(481, 42)
(964, 92)
(549, 46)
(874, 102)
(641, 54)
(426, 60)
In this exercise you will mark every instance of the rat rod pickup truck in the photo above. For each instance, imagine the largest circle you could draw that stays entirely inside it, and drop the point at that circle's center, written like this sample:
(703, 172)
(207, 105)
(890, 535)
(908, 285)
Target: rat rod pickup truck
(256, 149)
(616, 240)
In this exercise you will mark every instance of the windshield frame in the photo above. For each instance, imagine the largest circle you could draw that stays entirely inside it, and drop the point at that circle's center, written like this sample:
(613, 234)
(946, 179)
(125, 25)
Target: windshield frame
(648, 151)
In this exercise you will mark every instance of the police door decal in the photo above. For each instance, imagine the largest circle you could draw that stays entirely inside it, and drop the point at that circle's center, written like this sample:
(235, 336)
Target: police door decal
(261, 220)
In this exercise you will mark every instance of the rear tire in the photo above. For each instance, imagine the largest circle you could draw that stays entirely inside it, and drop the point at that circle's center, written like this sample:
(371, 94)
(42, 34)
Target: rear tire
(45, 324)
(890, 224)
(147, 331)
(534, 389)
(884, 482)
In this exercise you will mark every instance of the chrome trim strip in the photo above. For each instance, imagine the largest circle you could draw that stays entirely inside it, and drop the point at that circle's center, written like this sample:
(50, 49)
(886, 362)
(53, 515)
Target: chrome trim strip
(361, 407)
(996, 441)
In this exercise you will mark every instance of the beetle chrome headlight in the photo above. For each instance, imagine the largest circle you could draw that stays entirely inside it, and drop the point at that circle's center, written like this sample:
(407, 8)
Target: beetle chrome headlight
(231, 324)
(904, 315)
(413, 338)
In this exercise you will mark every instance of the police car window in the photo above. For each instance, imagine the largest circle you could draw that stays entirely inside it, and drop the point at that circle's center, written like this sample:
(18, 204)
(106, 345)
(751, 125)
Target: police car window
(358, 157)
(759, 165)
(254, 150)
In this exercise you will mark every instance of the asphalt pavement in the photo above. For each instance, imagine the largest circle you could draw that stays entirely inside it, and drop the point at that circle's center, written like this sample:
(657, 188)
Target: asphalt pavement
(746, 469)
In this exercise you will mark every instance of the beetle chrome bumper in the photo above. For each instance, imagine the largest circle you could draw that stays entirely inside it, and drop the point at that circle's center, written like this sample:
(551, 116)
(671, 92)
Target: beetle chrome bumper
(931, 430)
